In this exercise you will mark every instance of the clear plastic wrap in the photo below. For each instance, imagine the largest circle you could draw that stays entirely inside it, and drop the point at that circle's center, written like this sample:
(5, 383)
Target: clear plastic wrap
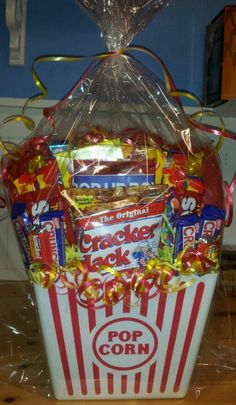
(118, 205)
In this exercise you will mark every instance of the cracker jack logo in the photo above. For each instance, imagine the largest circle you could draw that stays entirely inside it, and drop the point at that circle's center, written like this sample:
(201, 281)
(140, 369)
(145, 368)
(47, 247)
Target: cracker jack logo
(116, 243)
(142, 254)
(125, 344)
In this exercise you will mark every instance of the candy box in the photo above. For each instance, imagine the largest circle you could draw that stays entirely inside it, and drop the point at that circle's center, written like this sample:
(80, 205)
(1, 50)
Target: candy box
(143, 350)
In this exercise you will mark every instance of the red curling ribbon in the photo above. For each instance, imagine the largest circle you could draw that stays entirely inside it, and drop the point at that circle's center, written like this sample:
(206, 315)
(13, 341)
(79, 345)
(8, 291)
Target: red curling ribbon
(30, 149)
(97, 292)
(213, 131)
(193, 258)
(170, 85)
(229, 203)
(143, 283)
(94, 137)
(115, 290)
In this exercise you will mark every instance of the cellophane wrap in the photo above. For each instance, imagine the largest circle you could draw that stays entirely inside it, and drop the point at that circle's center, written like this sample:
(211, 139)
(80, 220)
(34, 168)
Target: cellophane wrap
(118, 206)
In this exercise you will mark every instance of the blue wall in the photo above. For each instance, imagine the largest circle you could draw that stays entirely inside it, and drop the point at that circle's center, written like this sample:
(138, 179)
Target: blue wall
(60, 26)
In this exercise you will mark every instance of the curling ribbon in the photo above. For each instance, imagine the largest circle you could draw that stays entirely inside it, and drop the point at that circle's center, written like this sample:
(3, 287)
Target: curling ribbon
(229, 203)
(43, 275)
(159, 276)
(169, 82)
(170, 86)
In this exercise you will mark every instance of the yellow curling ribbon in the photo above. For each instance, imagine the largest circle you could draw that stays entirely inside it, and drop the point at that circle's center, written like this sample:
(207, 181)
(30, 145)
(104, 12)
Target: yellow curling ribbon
(43, 275)
(168, 273)
(186, 94)
(159, 275)
(10, 150)
(114, 289)
(170, 86)
(27, 121)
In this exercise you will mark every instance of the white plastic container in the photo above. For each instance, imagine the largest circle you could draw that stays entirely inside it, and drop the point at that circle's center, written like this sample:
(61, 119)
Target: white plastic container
(145, 350)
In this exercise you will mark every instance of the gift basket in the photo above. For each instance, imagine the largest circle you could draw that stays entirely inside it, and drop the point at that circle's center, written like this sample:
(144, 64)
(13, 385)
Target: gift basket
(118, 205)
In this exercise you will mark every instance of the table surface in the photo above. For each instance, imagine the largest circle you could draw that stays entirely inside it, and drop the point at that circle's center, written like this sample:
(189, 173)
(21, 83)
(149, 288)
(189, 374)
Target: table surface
(23, 372)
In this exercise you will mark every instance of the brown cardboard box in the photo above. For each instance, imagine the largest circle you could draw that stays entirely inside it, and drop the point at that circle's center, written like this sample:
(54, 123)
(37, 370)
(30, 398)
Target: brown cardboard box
(220, 58)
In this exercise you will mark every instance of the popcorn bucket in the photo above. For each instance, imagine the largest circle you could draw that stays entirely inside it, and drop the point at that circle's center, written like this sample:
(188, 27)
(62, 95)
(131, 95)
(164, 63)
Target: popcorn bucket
(144, 350)
(119, 211)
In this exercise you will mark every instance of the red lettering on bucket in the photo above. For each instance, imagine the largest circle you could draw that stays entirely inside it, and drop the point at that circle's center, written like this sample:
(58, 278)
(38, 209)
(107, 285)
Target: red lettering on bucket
(123, 339)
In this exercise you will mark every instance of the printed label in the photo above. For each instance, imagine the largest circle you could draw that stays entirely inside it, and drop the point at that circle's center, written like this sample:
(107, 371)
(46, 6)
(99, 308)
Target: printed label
(189, 234)
(125, 344)
(44, 244)
(104, 181)
(188, 205)
(50, 227)
(208, 229)
(122, 239)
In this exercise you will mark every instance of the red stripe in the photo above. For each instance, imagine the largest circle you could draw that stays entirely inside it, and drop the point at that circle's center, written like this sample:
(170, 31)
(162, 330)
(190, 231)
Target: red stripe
(151, 375)
(60, 338)
(108, 310)
(123, 384)
(96, 377)
(137, 381)
(189, 334)
(161, 310)
(172, 338)
(126, 303)
(144, 305)
(110, 382)
(91, 315)
(77, 339)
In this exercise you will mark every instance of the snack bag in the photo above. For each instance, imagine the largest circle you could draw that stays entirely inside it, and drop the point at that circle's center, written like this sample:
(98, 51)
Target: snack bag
(120, 223)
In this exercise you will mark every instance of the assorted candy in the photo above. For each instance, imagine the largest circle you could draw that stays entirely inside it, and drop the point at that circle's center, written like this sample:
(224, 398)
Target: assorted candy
(114, 203)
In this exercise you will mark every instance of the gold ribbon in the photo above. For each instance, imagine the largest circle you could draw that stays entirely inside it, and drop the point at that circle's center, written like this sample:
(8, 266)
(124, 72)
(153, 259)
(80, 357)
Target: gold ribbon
(112, 286)
(170, 86)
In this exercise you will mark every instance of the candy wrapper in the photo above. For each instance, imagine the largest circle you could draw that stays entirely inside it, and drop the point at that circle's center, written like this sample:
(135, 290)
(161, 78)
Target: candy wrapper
(118, 205)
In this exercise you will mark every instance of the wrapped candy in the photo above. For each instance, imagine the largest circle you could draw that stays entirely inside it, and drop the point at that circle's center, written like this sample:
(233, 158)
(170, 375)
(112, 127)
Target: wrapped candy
(120, 223)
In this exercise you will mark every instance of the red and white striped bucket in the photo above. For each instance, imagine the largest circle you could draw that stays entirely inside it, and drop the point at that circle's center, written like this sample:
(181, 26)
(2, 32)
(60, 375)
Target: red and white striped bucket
(144, 350)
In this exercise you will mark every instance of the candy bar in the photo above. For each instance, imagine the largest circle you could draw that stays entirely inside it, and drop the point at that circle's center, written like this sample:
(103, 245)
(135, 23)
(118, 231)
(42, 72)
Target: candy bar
(211, 222)
(22, 223)
(181, 202)
(47, 239)
(186, 232)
